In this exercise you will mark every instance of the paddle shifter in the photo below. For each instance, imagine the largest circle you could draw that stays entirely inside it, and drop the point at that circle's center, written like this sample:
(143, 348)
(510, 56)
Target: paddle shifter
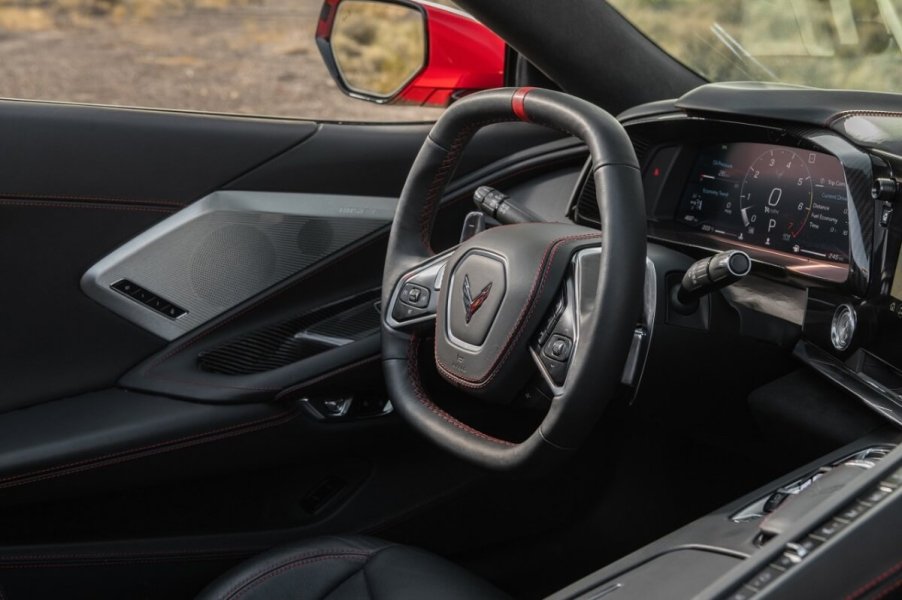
(709, 274)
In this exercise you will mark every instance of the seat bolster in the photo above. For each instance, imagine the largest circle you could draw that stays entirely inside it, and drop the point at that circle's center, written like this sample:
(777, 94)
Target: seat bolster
(308, 569)
(348, 568)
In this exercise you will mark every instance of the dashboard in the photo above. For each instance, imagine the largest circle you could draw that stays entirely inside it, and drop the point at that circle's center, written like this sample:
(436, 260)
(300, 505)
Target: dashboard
(806, 182)
(777, 197)
(796, 199)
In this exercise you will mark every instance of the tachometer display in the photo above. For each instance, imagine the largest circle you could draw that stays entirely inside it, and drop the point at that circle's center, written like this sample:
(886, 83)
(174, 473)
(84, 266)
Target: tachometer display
(783, 198)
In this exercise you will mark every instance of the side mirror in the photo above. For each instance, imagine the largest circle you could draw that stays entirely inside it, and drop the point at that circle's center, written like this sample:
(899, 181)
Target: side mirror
(405, 52)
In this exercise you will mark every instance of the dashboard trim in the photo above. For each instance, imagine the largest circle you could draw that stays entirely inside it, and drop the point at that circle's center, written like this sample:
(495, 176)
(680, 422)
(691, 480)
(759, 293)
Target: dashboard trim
(874, 395)
(689, 132)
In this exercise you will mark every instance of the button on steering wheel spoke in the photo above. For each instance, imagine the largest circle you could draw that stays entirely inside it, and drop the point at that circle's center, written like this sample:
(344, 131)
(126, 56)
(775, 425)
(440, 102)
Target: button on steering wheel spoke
(415, 297)
(555, 343)
(502, 283)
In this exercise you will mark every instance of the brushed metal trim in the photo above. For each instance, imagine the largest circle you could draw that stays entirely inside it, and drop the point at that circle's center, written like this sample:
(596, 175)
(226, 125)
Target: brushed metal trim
(875, 395)
(96, 282)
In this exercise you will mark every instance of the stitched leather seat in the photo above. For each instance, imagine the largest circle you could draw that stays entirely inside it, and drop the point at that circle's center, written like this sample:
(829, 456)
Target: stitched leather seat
(339, 568)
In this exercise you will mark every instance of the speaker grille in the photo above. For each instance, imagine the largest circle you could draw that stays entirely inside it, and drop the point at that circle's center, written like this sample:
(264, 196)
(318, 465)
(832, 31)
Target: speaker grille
(222, 258)
(296, 338)
(229, 247)
(231, 260)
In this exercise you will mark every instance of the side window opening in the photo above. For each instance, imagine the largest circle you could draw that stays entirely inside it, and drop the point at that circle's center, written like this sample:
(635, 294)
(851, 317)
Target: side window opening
(253, 57)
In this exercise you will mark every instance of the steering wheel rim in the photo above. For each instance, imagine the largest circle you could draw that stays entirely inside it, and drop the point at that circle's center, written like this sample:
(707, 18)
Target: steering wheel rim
(595, 368)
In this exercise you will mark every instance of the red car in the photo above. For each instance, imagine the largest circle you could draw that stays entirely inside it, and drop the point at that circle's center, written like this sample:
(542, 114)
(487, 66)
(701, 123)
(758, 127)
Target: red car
(614, 326)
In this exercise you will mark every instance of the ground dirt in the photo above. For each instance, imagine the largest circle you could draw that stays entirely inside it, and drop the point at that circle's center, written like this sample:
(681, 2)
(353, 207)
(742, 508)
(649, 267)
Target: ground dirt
(254, 57)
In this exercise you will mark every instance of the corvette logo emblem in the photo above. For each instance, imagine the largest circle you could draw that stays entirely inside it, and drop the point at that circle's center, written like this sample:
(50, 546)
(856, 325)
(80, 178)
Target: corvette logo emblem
(472, 304)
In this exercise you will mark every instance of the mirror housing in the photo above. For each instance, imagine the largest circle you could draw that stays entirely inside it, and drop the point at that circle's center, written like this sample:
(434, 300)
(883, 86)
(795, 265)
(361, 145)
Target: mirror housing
(459, 55)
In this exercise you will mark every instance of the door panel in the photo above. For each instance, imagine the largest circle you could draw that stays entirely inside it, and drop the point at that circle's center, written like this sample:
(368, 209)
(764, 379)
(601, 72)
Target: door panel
(163, 423)
(56, 341)
(54, 440)
(224, 249)
(75, 183)
(73, 152)
(364, 159)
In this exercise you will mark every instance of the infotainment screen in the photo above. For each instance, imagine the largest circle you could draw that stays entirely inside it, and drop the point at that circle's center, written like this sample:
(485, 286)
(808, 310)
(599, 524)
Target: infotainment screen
(785, 199)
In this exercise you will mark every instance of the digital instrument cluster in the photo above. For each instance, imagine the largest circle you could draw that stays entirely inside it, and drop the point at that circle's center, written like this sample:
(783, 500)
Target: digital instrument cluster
(776, 197)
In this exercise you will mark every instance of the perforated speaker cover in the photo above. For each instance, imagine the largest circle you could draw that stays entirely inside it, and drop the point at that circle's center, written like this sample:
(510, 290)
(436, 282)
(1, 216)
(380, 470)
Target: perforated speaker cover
(228, 247)
(296, 338)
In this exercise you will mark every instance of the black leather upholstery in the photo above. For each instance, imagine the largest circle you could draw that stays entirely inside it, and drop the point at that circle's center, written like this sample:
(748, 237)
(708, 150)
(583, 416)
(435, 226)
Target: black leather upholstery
(352, 568)
(536, 256)
(595, 369)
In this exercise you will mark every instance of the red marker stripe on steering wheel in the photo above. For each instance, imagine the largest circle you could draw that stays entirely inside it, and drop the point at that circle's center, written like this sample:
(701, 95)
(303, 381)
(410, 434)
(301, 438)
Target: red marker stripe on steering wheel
(517, 103)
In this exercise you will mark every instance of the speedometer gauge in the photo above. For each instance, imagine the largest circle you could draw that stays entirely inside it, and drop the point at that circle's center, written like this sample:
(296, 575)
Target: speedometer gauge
(782, 198)
(775, 198)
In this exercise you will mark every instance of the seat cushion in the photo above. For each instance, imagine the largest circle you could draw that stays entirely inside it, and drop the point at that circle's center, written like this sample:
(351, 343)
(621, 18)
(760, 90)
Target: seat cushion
(345, 568)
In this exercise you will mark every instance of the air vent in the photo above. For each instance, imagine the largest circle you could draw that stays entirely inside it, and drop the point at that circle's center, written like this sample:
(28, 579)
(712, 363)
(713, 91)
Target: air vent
(295, 339)
(585, 206)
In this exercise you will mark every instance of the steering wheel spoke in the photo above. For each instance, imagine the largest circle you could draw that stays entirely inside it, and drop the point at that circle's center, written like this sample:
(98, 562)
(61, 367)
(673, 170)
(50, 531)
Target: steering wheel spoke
(514, 295)
(557, 340)
(414, 300)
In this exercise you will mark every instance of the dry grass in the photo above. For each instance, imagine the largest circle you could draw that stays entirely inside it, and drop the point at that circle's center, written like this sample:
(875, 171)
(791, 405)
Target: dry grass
(378, 47)
(230, 56)
(24, 18)
(64, 12)
(770, 30)
(259, 57)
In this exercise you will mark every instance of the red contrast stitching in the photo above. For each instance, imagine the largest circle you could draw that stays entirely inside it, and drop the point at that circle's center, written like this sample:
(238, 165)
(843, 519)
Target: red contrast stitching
(149, 450)
(884, 593)
(874, 582)
(538, 285)
(433, 192)
(257, 579)
(414, 374)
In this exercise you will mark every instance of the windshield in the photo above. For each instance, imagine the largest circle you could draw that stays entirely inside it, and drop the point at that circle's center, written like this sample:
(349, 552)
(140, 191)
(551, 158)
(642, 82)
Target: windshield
(847, 44)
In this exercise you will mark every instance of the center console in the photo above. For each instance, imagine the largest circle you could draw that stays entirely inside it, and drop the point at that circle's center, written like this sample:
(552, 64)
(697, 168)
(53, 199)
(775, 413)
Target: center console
(825, 530)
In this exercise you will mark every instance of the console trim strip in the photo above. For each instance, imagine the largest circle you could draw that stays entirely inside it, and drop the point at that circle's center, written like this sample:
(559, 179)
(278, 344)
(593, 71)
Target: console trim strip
(875, 396)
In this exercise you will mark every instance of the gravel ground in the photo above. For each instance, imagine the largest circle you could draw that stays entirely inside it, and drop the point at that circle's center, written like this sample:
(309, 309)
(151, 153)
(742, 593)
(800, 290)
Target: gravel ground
(258, 59)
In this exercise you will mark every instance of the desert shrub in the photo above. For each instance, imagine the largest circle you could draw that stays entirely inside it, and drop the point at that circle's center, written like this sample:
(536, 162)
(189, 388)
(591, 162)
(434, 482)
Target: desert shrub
(378, 47)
